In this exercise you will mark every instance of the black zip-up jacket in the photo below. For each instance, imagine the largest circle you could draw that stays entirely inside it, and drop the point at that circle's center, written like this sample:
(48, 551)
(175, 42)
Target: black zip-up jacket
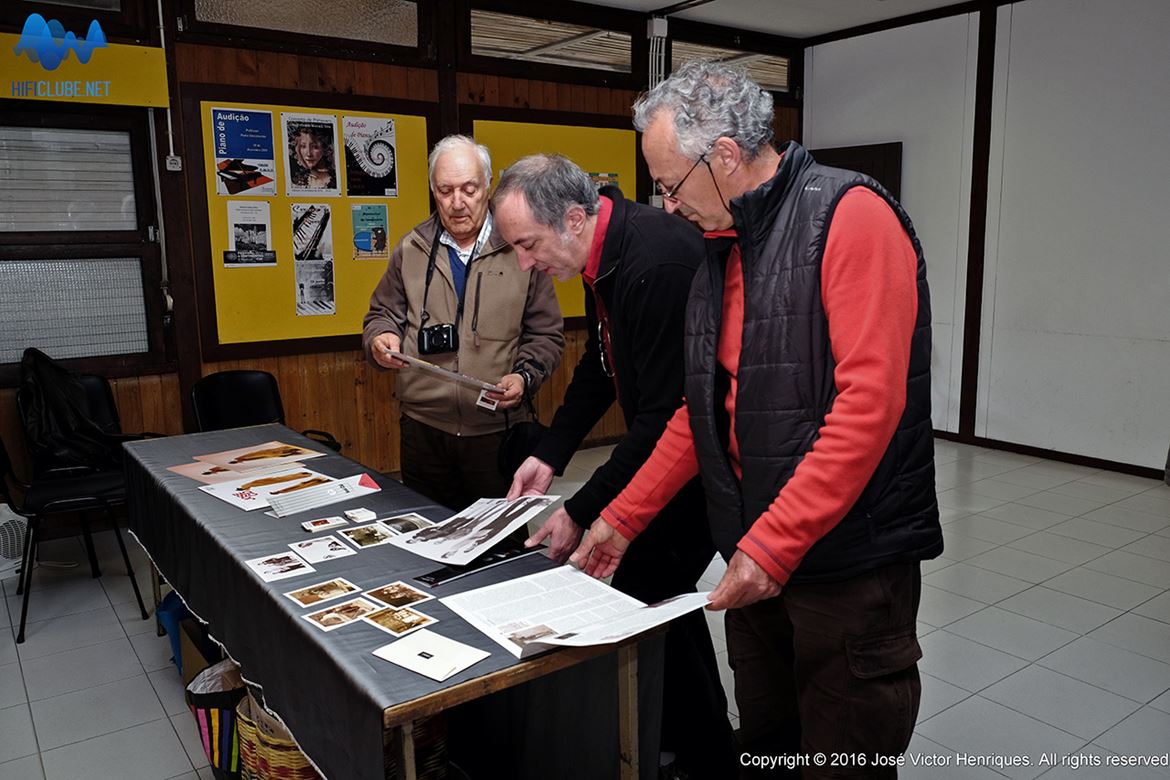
(647, 263)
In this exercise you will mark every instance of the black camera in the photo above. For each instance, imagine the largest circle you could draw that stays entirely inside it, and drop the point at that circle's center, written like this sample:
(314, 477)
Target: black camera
(436, 339)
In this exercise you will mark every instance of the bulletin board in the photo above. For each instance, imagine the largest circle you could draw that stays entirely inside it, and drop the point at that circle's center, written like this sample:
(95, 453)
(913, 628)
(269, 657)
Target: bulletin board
(608, 154)
(296, 251)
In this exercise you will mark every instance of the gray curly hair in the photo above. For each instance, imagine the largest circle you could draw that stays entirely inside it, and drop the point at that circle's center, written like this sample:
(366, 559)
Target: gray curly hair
(710, 100)
(551, 184)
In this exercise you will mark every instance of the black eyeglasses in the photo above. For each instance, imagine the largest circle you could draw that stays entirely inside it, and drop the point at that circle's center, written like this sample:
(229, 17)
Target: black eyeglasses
(670, 194)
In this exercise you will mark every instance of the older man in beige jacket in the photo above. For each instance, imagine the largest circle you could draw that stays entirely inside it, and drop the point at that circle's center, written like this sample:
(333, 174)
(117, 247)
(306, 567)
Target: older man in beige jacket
(505, 327)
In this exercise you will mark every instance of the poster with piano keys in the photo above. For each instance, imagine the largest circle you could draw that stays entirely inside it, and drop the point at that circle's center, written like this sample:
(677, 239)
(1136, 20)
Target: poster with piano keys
(315, 296)
(371, 157)
(245, 163)
(312, 227)
(311, 154)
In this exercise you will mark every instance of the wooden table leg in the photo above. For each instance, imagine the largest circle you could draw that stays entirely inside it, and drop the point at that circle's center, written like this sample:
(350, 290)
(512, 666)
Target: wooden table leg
(404, 750)
(628, 710)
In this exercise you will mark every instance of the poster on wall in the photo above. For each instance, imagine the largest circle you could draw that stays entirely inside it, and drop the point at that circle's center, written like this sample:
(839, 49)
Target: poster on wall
(314, 280)
(312, 231)
(249, 235)
(311, 141)
(245, 163)
(371, 228)
(371, 157)
(605, 179)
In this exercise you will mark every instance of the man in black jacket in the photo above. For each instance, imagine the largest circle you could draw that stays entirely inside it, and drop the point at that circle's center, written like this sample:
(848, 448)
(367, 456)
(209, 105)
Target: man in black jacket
(637, 264)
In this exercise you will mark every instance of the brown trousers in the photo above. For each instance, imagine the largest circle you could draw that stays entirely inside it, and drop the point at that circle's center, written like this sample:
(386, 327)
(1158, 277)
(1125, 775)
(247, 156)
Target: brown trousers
(454, 471)
(829, 668)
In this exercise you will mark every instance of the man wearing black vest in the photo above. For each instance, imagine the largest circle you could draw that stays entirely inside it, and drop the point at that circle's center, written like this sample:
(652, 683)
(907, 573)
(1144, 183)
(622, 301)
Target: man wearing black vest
(637, 264)
(807, 415)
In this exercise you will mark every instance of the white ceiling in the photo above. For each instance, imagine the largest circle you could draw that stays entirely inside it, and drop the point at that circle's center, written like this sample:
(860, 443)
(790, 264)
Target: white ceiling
(796, 18)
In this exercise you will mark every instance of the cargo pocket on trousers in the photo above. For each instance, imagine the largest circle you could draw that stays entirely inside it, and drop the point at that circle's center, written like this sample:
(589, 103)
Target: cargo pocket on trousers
(888, 681)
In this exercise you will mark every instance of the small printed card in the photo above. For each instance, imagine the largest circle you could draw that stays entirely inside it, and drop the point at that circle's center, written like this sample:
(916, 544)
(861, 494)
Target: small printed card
(325, 548)
(360, 515)
(399, 622)
(367, 535)
(279, 567)
(430, 654)
(324, 523)
(322, 591)
(398, 594)
(341, 614)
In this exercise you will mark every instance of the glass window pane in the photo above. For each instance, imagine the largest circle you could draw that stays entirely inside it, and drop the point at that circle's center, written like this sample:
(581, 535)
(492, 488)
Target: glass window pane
(767, 71)
(72, 308)
(393, 22)
(552, 43)
(61, 179)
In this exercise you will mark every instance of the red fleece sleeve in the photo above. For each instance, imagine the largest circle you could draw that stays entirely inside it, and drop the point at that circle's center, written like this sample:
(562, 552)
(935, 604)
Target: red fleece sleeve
(670, 466)
(870, 295)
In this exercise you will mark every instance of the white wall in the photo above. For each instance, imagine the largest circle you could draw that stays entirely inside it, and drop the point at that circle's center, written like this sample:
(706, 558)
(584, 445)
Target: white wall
(1075, 347)
(916, 85)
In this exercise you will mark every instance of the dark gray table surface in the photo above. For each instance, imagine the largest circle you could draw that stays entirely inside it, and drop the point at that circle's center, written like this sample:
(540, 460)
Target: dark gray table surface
(328, 687)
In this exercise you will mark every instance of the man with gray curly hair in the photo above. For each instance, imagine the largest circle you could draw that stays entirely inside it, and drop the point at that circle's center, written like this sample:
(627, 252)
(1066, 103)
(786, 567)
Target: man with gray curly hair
(807, 415)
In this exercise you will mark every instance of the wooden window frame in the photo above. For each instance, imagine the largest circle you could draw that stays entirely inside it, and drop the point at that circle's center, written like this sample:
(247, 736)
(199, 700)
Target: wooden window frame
(746, 41)
(69, 245)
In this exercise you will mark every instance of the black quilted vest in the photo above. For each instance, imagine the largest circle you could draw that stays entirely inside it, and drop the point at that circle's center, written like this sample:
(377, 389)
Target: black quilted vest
(786, 380)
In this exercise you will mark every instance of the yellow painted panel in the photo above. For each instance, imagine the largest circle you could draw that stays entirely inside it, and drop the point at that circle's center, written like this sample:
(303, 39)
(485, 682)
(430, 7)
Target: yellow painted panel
(607, 153)
(116, 75)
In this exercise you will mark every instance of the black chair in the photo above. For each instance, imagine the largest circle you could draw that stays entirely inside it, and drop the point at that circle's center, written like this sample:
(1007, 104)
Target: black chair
(234, 399)
(55, 493)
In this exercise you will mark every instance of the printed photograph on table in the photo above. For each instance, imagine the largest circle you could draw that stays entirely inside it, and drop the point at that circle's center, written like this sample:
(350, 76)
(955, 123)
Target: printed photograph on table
(245, 163)
(371, 232)
(398, 594)
(472, 532)
(255, 490)
(364, 536)
(312, 230)
(315, 290)
(311, 141)
(279, 567)
(404, 524)
(322, 591)
(325, 548)
(342, 614)
(399, 622)
(371, 157)
(209, 473)
(264, 456)
(249, 234)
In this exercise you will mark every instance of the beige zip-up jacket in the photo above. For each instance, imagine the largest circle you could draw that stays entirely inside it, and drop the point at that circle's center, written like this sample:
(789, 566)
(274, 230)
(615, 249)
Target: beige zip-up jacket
(510, 319)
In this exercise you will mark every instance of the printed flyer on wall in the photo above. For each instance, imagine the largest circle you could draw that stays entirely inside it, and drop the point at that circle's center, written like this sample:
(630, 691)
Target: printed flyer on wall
(371, 157)
(371, 228)
(244, 160)
(249, 234)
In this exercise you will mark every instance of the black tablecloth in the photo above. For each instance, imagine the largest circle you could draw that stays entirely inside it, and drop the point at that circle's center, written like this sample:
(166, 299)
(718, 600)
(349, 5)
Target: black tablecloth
(327, 686)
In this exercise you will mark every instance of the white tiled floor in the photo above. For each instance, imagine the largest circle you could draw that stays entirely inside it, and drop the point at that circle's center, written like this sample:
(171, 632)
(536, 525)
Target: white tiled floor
(1045, 627)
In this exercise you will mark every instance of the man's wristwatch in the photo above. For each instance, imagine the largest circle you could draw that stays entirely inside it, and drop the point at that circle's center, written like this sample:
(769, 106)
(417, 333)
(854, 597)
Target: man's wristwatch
(527, 376)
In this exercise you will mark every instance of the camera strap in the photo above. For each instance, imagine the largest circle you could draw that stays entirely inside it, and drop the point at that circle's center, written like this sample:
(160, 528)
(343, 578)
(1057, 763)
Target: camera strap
(425, 316)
